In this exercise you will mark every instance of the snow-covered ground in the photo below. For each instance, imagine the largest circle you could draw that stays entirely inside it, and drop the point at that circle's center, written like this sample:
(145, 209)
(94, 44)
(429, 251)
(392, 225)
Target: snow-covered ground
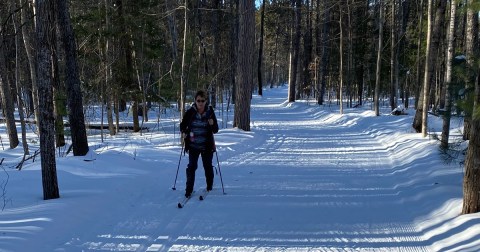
(305, 178)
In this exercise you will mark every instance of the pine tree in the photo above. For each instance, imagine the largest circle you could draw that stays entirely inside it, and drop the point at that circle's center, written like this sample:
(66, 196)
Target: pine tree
(245, 66)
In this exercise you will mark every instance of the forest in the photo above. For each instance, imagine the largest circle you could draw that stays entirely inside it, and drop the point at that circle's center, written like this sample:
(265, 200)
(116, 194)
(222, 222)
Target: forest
(58, 57)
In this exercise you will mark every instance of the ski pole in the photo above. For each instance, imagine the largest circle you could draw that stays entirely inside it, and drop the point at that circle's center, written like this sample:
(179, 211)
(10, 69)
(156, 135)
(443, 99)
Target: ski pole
(176, 176)
(220, 172)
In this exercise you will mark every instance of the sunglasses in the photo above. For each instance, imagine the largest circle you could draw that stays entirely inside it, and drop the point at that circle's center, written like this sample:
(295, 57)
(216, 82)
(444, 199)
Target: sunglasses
(200, 101)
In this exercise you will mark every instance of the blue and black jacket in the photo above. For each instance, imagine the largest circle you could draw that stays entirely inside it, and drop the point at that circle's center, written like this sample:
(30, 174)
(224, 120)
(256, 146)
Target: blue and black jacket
(186, 124)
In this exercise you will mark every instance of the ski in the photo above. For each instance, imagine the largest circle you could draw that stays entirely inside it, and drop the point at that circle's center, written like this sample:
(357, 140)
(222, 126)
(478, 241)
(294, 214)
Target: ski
(182, 203)
(203, 195)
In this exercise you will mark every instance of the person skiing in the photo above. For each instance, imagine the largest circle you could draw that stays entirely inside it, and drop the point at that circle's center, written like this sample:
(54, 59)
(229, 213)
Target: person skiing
(198, 125)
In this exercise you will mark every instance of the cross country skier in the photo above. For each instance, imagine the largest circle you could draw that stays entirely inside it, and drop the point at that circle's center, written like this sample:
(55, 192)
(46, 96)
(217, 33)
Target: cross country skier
(198, 126)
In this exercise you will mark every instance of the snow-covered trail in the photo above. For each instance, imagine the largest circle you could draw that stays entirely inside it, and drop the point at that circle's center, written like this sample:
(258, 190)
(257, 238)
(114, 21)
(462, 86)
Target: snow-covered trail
(311, 180)
(304, 179)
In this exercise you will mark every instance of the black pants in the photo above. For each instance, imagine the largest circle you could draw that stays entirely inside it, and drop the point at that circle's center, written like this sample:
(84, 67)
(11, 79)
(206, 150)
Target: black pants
(207, 157)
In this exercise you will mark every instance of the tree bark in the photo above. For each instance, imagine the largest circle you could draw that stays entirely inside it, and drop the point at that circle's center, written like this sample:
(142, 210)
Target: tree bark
(379, 61)
(305, 78)
(422, 109)
(471, 180)
(72, 82)
(217, 75)
(433, 37)
(393, 58)
(340, 56)
(350, 54)
(448, 77)
(58, 99)
(245, 65)
(109, 93)
(172, 28)
(295, 51)
(45, 34)
(6, 93)
(184, 55)
(325, 54)
(29, 42)
(471, 45)
(18, 87)
(7, 101)
(420, 123)
(260, 50)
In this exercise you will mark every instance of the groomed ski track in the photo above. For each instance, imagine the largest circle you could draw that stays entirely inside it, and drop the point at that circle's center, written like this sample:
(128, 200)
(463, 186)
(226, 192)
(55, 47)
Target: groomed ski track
(304, 179)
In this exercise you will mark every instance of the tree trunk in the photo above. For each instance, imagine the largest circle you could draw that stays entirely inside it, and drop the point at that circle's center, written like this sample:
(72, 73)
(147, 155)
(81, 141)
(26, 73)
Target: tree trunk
(295, 51)
(448, 77)
(350, 52)
(422, 109)
(393, 58)
(6, 95)
(173, 29)
(116, 109)
(260, 50)
(45, 34)
(305, 78)
(404, 14)
(202, 48)
(72, 82)
(184, 55)
(340, 71)
(18, 87)
(109, 107)
(245, 66)
(136, 124)
(417, 125)
(234, 49)
(471, 180)
(107, 70)
(433, 34)
(215, 89)
(471, 45)
(325, 55)
(273, 75)
(58, 99)
(29, 42)
(379, 61)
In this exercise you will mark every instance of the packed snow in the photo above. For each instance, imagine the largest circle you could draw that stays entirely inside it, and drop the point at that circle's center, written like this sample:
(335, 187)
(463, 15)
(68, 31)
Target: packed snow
(305, 178)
